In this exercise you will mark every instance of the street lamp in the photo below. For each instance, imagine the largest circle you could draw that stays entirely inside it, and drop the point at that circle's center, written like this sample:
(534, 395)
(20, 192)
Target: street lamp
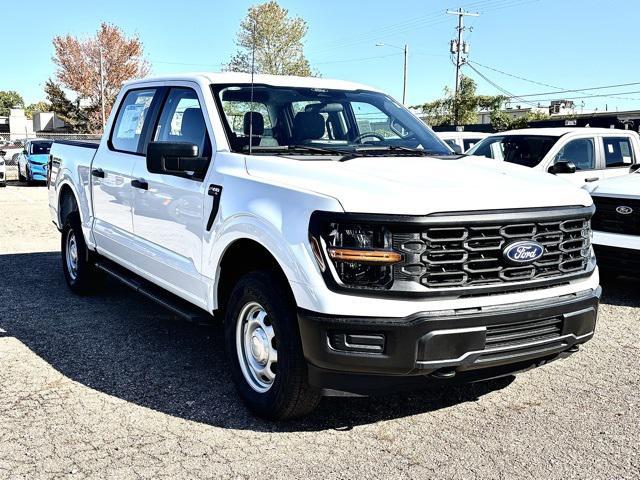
(405, 49)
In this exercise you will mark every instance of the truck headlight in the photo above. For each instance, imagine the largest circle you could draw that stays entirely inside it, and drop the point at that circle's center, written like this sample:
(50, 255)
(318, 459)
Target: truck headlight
(361, 255)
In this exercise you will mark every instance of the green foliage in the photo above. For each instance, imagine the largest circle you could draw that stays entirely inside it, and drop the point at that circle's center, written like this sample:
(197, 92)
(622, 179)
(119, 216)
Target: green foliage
(69, 112)
(278, 41)
(8, 100)
(41, 106)
(464, 109)
(501, 120)
(443, 111)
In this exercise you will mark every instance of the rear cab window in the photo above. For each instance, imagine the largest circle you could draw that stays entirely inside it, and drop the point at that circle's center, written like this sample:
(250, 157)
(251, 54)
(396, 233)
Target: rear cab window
(618, 152)
(129, 123)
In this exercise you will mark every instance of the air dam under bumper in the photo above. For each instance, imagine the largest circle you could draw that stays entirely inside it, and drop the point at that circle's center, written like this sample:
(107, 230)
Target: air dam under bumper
(488, 340)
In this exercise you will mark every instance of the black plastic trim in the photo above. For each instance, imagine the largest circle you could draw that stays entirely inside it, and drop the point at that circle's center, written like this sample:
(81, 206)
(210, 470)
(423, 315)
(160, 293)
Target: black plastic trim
(94, 144)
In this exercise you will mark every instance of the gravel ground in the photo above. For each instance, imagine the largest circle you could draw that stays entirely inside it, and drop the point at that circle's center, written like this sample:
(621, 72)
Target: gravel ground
(113, 387)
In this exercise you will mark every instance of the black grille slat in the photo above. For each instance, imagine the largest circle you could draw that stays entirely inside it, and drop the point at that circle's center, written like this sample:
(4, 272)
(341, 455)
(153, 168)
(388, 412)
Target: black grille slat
(522, 333)
(607, 219)
(461, 256)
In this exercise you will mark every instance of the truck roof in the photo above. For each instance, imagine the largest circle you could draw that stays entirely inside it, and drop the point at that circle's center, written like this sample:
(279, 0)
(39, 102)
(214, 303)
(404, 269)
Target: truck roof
(274, 80)
(560, 131)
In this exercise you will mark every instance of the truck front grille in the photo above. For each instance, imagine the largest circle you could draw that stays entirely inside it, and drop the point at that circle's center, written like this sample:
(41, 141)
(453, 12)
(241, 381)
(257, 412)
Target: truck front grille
(609, 219)
(445, 256)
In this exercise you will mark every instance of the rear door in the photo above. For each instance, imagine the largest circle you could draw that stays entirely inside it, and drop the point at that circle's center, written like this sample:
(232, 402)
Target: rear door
(168, 209)
(618, 155)
(111, 175)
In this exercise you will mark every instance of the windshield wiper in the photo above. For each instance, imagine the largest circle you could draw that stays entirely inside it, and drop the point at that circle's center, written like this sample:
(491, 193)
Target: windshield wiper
(405, 151)
(300, 149)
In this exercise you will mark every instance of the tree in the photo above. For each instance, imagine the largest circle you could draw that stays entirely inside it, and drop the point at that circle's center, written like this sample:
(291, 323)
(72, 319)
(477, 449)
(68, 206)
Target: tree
(69, 112)
(278, 41)
(40, 106)
(8, 100)
(79, 66)
(443, 110)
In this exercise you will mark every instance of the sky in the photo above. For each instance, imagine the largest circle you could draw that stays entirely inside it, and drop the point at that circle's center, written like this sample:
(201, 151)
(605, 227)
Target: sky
(560, 44)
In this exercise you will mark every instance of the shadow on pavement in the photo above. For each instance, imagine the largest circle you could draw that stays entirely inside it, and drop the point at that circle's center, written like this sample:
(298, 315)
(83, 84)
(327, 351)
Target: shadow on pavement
(119, 343)
(621, 291)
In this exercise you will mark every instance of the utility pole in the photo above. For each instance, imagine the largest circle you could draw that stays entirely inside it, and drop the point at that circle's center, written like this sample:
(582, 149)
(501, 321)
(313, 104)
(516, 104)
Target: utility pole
(459, 47)
(405, 50)
(104, 120)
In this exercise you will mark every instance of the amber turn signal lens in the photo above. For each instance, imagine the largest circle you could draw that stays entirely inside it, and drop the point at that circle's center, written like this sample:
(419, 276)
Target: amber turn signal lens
(371, 257)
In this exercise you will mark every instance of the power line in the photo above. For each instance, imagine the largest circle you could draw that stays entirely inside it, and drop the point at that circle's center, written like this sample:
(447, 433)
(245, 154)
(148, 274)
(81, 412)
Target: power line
(498, 87)
(513, 75)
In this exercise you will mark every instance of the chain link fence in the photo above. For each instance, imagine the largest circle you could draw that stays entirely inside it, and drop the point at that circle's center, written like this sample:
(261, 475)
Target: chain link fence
(11, 147)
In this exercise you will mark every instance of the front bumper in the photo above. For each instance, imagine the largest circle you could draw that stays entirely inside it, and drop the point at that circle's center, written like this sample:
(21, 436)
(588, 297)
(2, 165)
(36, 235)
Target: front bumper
(444, 343)
(38, 171)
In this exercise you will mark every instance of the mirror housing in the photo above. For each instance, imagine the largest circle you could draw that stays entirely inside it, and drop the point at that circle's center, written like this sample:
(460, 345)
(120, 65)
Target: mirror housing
(176, 158)
(562, 167)
(24, 151)
(634, 168)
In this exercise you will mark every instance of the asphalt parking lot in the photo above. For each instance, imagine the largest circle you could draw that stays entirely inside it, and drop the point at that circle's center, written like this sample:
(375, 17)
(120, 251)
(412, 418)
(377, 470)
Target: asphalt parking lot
(112, 386)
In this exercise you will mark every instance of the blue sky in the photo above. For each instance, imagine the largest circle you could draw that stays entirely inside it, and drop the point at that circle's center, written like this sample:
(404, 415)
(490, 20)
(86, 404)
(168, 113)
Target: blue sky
(569, 44)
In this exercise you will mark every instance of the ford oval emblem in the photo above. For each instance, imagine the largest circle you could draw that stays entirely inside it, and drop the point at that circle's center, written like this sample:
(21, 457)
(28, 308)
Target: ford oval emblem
(523, 252)
(624, 210)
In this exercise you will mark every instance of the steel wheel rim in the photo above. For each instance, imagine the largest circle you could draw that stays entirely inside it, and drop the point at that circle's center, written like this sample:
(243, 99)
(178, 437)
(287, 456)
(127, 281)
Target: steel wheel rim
(72, 255)
(256, 347)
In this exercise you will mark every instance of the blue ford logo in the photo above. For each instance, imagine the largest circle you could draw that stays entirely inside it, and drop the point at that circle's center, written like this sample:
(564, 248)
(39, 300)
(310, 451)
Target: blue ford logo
(523, 252)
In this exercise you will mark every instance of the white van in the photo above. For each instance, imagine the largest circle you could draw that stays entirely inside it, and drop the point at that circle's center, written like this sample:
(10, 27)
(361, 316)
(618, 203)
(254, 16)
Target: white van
(578, 154)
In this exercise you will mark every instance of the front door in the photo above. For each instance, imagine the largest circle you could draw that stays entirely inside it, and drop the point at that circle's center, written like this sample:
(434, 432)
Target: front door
(582, 153)
(111, 177)
(168, 210)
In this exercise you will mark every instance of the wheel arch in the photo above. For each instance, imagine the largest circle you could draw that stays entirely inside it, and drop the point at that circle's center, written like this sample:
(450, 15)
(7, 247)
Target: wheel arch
(241, 256)
(67, 202)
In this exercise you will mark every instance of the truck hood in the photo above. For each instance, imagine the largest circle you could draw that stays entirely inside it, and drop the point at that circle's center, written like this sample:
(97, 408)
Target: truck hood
(420, 185)
(627, 186)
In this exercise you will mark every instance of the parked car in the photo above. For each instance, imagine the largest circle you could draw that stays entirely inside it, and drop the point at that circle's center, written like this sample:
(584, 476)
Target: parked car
(578, 154)
(616, 224)
(3, 169)
(344, 246)
(32, 162)
(460, 142)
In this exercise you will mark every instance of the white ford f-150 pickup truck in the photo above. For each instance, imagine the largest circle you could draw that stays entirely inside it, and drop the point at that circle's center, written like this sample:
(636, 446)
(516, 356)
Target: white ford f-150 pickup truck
(616, 224)
(345, 247)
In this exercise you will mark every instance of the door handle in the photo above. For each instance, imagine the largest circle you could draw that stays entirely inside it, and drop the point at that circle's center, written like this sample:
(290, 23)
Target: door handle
(591, 179)
(215, 191)
(97, 172)
(141, 184)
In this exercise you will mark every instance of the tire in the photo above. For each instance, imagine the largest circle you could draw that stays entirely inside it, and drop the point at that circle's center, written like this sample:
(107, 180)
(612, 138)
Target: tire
(259, 305)
(79, 270)
(20, 176)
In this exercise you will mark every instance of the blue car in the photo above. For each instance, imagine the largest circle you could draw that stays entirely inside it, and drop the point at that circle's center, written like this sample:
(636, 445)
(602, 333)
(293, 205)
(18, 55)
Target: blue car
(33, 161)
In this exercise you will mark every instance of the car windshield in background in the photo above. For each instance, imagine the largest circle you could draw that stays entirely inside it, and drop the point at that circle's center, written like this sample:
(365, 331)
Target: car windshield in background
(40, 148)
(317, 121)
(526, 150)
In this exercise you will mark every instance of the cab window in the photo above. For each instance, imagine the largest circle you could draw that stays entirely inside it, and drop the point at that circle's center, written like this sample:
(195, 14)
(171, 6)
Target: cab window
(182, 120)
(618, 152)
(125, 136)
(581, 152)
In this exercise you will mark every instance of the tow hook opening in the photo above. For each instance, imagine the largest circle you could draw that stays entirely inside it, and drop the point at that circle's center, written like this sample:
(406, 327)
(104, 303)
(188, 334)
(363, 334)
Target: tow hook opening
(444, 373)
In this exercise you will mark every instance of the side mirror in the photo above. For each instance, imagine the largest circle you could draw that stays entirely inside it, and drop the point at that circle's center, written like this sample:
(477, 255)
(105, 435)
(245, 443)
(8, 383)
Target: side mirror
(24, 151)
(176, 158)
(634, 168)
(562, 167)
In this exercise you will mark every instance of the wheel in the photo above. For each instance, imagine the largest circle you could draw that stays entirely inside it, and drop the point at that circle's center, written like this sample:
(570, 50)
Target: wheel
(77, 261)
(264, 348)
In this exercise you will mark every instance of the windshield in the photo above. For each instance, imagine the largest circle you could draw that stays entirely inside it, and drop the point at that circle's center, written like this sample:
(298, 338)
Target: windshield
(40, 148)
(526, 150)
(321, 121)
